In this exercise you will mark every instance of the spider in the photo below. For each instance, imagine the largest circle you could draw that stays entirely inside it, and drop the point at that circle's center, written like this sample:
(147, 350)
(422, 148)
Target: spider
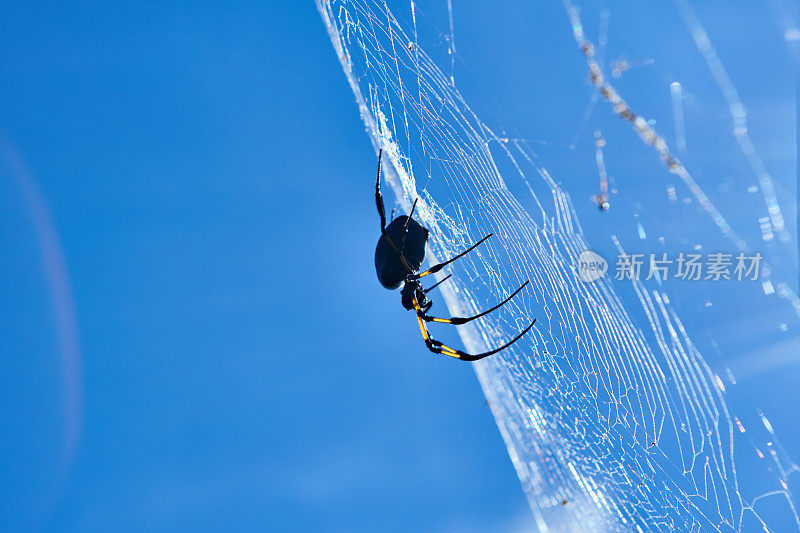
(399, 265)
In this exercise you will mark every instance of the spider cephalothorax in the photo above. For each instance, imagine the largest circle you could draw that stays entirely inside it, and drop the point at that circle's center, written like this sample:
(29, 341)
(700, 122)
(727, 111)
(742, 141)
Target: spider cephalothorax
(413, 291)
(399, 256)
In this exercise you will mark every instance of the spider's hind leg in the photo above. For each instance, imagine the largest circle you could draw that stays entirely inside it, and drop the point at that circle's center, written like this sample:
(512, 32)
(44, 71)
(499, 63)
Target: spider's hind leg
(441, 348)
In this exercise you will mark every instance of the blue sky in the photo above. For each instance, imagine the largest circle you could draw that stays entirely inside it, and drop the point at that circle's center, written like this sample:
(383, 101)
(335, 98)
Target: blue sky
(209, 182)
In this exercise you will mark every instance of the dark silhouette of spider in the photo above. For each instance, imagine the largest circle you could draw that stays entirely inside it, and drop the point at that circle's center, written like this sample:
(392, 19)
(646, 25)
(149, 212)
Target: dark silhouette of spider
(398, 257)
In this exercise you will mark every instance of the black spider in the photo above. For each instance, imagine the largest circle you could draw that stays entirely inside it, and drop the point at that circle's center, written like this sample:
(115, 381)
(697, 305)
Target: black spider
(399, 265)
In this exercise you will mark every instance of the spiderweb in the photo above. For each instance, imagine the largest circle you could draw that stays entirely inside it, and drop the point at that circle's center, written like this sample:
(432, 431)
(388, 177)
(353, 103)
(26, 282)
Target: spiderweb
(621, 409)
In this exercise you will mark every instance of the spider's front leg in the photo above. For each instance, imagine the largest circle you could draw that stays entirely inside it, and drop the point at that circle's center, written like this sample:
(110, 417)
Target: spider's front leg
(437, 268)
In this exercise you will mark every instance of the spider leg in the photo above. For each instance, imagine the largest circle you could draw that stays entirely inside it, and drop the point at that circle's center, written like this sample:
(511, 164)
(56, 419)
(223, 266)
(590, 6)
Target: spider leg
(437, 268)
(459, 320)
(429, 289)
(441, 348)
(379, 196)
(382, 214)
(405, 227)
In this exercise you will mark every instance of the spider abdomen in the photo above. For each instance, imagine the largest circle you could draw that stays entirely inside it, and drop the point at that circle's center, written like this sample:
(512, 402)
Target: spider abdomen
(388, 266)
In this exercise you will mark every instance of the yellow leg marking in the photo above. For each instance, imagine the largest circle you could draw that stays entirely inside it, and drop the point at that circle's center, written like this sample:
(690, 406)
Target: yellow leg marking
(423, 329)
(445, 350)
(422, 275)
(430, 318)
(450, 350)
